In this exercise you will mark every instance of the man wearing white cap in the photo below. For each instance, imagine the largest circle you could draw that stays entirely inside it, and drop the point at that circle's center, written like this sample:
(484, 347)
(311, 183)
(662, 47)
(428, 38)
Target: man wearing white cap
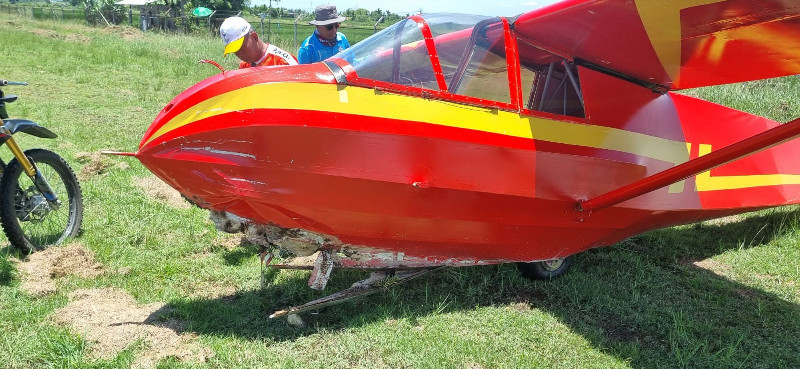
(326, 40)
(239, 38)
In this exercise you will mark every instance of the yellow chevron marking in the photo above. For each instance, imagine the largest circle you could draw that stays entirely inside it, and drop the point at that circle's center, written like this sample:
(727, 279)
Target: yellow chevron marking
(662, 22)
(705, 182)
(679, 186)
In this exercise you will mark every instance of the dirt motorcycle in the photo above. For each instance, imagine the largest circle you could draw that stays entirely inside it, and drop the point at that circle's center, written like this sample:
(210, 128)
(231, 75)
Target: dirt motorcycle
(40, 198)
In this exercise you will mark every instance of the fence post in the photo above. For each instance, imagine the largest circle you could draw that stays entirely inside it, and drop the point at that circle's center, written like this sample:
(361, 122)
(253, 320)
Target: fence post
(211, 30)
(295, 31)
(269, 20)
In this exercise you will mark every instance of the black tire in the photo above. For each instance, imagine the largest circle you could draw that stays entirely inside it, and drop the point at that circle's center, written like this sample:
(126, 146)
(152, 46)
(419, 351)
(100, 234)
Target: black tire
(545, 269)
(32, 228)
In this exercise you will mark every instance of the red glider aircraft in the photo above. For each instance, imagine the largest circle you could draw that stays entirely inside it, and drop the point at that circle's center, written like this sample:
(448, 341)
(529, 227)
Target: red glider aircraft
(455, 140)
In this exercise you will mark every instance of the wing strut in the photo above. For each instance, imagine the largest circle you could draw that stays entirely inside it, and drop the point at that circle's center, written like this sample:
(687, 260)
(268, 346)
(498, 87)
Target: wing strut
(748, 146)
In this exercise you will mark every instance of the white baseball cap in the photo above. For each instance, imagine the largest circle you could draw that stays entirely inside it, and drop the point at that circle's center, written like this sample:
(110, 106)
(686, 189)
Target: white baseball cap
(233, 31)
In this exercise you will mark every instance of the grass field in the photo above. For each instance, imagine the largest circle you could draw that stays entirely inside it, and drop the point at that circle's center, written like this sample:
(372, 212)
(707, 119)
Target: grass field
(279, 31)
(721, 294)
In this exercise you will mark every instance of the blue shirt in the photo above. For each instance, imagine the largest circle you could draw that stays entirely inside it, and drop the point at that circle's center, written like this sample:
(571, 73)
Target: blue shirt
(313, 50)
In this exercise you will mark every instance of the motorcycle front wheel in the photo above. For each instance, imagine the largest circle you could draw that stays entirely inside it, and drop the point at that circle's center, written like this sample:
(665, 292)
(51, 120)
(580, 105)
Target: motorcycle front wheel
(28, 220)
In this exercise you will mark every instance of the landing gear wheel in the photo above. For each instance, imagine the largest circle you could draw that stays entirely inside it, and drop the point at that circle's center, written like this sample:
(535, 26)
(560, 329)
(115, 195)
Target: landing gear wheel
(28, 220)
(547, 269)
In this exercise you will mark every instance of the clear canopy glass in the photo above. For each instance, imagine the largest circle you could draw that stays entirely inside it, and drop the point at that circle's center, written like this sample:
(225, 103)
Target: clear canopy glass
(473, 58)
(399, 54)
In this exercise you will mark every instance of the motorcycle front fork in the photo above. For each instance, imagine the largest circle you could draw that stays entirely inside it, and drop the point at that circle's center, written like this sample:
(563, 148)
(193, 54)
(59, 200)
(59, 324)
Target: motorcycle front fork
(30, 169)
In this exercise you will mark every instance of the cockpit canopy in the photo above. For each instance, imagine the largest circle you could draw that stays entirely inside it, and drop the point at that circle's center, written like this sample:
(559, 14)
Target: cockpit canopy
(474, 57)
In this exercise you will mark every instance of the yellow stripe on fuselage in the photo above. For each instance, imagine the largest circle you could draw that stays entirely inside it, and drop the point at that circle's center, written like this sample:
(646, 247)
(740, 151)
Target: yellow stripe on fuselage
(369, 102)
(705, 182)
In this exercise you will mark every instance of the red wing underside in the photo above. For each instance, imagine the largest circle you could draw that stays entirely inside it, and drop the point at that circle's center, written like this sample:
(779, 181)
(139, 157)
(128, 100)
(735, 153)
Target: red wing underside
(676, 44)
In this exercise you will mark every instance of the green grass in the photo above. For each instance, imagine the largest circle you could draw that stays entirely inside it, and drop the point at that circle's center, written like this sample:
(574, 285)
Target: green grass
(641, 303)
(774, 98)
(280, 32)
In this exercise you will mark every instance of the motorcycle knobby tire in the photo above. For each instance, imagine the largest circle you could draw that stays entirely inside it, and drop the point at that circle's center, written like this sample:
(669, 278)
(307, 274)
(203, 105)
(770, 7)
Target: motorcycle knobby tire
(64, 182)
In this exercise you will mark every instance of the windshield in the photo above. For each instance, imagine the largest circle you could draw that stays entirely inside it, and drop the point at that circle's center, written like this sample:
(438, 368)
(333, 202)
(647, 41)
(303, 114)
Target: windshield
(399, 54)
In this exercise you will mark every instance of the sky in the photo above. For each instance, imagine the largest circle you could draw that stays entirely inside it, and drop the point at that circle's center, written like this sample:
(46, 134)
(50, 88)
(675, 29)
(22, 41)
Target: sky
(402, 7)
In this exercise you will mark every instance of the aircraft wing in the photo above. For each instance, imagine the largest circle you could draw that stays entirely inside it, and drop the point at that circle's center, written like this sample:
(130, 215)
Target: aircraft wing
(673, 44)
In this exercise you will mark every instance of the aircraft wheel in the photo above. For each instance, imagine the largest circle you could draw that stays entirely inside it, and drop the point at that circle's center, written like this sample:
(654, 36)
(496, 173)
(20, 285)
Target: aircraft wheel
(547, 269)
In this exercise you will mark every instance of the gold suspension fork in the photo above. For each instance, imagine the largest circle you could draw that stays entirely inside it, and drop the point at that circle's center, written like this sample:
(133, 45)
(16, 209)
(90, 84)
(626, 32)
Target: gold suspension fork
(17, 151)
(30, 169)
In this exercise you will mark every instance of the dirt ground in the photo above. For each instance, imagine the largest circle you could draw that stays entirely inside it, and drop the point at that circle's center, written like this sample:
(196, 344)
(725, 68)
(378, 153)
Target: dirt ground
(78, 38)
(72, 37)
(712, 266)
(94, 164)
(156, 188)
(108, 318)
(111, 320)
(127, 33)
(39, 271)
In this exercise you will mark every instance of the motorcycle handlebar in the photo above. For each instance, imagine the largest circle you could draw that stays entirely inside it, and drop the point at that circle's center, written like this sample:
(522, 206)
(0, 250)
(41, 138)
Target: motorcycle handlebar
(12, 83)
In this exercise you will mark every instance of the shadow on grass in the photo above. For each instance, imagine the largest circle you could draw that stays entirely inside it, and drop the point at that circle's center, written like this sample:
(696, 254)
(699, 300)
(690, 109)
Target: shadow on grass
(645, 301)
(246, 313)
(238, 255)
(6, 272)
(6, 268)
(642, 300)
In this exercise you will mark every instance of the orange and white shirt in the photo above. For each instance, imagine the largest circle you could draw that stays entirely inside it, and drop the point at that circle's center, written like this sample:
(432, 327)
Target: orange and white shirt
(273, 56)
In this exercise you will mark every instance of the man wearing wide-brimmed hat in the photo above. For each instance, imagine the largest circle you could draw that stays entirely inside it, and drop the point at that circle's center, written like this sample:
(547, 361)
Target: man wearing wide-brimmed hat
(326, 40)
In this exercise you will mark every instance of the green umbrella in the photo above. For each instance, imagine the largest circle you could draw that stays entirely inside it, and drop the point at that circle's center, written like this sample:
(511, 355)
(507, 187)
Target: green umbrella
(201, 12)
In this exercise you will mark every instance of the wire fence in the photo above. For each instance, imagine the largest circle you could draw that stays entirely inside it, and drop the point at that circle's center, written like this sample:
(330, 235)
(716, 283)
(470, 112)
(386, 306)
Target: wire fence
(164, 19)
